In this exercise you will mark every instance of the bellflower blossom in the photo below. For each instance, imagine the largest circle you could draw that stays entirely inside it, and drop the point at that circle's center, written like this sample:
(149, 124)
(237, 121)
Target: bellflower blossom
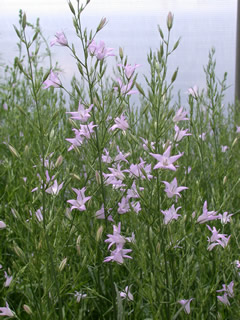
(55, 188)
(120, 123)
(99, 51)
(125, 89)
(126, 294)
(100, 214)
(129, 70)
(217, 239)
(225, 217)
(60, 38)
(186, 304)
(180, 115)
(82, 114)
(2, 225)
(52, 81)
(170, 214)
(193, 92)
(180, 133)
(8, 279)
(228, 292)
(6, 311)
(80, 296)
(172, 188)
(166, 161)
(207, 215)
(79, 204)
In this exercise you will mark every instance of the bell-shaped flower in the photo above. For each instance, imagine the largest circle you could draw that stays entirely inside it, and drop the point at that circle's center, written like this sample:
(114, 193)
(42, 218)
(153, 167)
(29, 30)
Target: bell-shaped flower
(126, 294)
(180, 133)
(186, 304)
(99, 51)
(52, 81)
(172, 188)
(207, 215)
(60, 38)
(166, 161)
(82, 114)
(55, 188)
(180, 115)
(79, 204)
(6, 311)
(120, 123)
(170, 214)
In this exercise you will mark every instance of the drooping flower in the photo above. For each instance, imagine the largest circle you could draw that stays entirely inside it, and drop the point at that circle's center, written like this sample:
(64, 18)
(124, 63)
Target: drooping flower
(82, 114)
(55, 188)
(100, 214)
(87, 129)
(224, 148)
(79, 204)
(77, 141)
(228, 292)
(207, 215)
(186, 304)
(125, 88)
(116, 237)
(118, 254)
(193, 92)
(172, 188)
(6, 311)
(166, 161)
(106, 157)
(120, 123)
(180, 133)
(2, 225)
(8, 279)
(126, 294)
(225, 217)
(224, 299)
(99, 51)
(123, 206)
(170, 214)
(180, 115)
(217, 239)
(129, 69)
(60, 38)
(80, 296)
(52, 81)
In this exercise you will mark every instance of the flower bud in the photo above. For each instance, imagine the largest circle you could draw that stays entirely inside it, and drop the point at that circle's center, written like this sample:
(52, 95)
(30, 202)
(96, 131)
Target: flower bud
(62, 264)
(121, 53)
(169, 21)
(27, 309)
(99, 233)
(59, 161)
(101, 24)
(78, 244)
(224, 180)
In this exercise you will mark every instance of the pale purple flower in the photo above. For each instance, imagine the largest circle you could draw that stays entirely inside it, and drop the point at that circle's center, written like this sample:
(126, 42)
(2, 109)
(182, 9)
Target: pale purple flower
(77, 141)
(228, 289)
(217, 239)
(170, 214)
(116, 172)
(52, 81)
(203, 136)
(106, 157)
(207, 215)
(180, 115)
(118, 254)
(120, 123)
(123, 206)
(125, 88)
(60, 38)
(172, 188)
(6, 311)
(186, 304)
(55, 188)
(39, 215)
(140, 170)
(238, 129)
(87, 129)
(2, 225)
(129, 70)
(179, 134)
(116, 237)
(82, 114)
(121, 156)
(100, 214)
(133, 193)
(193, 92)
(224, 148)
(99, 51)
(225, 217)
(126, 294)
(146, 144)
(8, 279)
(79, 204)
(224, 299)
(5, 106)
(136, 206)
(165, 160)
(80, 296)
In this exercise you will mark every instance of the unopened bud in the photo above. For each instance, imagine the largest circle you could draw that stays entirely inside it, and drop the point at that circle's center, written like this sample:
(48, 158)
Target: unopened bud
(99, 233)
(98, 177)
(62, 264)
(51, 134)
(59, 161)
(101, 24)
(158, 247)
(27, 309)
(121, 53)
(18, 251)
(234, 142)
(78, 244)
(224, 179)
(140, 89)
(169, 21)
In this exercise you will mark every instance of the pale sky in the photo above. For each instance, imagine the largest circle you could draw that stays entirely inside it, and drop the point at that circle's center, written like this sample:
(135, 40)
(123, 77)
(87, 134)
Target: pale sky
(113, 6)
